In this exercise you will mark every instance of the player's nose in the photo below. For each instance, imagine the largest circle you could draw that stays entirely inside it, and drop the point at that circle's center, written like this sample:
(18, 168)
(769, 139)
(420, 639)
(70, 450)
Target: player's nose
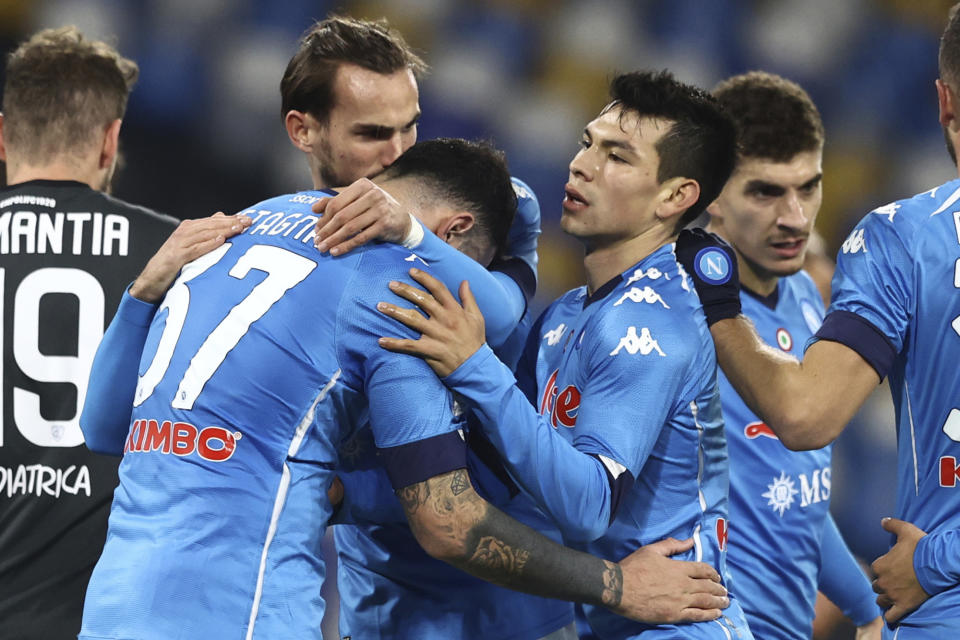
(791, 213)
(582, 165)
(392, 149)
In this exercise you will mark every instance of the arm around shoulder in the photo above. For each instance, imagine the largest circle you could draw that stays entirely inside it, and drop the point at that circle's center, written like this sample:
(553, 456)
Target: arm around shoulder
(455, 525)
(807, 403)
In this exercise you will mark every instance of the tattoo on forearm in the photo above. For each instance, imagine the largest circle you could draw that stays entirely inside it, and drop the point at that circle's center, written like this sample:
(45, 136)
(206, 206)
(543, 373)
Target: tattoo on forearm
(460, 482)
(612, 585)
(493, 554)
(476, 537)
(414, 496)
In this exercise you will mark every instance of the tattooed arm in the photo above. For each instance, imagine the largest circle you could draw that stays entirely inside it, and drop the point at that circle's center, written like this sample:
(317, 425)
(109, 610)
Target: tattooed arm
(454, 524)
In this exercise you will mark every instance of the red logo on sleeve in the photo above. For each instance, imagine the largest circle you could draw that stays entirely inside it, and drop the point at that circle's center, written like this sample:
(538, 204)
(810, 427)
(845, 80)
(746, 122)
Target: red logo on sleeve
(722, 533)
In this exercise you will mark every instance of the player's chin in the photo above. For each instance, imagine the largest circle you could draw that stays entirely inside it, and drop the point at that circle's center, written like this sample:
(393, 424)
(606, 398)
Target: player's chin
(783, 267)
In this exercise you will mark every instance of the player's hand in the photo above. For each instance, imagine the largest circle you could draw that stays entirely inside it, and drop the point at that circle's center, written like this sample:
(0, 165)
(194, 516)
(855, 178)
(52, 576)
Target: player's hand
(896, 585)
(448, 335)
(659, 590)
(870, 631)
(712, 265)
(335, 492)
(190, 240)
(360, 213)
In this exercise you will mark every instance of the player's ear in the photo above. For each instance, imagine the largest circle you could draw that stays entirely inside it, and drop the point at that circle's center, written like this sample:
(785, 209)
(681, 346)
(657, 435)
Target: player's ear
(676, 196)
(110, 145)
(947, 102)
(298, 125)
(456, 227)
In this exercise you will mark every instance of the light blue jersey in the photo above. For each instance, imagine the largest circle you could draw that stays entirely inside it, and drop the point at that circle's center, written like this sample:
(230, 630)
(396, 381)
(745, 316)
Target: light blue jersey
(389, 587)
(895, 301)
(625, 446)
(780, 499)
(262, 358)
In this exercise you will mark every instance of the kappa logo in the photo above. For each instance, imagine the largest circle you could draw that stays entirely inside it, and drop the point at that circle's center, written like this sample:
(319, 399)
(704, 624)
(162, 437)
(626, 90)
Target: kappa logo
(644, 344)
(889, 210)
(413, 257)
(560, 406)
(215, 444)
(553, 336)
(652, 273)
(646, 294)
(855, 242)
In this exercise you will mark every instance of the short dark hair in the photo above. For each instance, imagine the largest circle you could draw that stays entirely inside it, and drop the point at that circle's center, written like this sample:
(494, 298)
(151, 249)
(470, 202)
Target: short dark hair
(949, 58)
(307, 83)
(60, 90)
(701, 142)
(774, 117)
(472, 176)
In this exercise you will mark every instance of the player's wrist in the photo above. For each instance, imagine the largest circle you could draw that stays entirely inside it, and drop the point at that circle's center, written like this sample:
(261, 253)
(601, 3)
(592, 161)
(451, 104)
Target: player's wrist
(414, 235)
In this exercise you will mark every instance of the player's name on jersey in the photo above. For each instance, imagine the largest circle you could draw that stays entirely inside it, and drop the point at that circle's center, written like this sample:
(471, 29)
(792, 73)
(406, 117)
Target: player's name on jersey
(274, 223)
(40, 480)
(74, 233)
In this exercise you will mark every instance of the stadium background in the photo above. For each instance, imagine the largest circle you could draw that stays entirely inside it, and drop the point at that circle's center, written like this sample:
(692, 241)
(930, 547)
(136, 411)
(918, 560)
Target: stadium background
(203, 129)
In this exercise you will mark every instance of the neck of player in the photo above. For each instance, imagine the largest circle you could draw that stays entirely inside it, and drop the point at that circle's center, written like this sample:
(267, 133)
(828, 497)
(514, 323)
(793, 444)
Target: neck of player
(78, 170)
(605, 258)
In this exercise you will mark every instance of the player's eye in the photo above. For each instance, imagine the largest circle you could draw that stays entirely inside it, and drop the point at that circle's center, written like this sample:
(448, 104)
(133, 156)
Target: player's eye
(584, 143)
(615, 158)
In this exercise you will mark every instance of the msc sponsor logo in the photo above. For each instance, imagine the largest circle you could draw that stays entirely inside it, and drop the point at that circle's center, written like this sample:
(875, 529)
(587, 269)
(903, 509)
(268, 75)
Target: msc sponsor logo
(782, 492)
(560, 406)
(215, 444)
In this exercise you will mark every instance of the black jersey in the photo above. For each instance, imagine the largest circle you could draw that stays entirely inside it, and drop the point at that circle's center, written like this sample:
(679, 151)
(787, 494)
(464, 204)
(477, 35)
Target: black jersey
(67, 253)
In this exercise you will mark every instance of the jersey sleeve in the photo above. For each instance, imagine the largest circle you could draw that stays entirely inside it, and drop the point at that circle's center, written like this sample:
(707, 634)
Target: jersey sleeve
(407, 403)
(936, 561)
(519, 263)
(841, 578)
(105, 419)
(872, 293)
(570, 485)
(500, 299)
(625, 399)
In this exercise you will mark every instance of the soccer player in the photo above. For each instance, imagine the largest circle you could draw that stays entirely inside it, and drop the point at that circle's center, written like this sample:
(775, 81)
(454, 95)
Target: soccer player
(68, 250)
(787, 544)
(623, 442)
(350, 103)
(261, 359)
(891, 314)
